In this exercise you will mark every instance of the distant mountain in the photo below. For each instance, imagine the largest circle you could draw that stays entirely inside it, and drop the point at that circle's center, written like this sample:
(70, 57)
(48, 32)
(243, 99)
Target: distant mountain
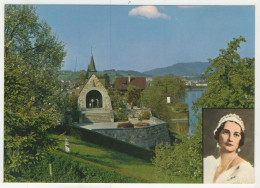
(122, 73)
(125, 73)
(180, 69)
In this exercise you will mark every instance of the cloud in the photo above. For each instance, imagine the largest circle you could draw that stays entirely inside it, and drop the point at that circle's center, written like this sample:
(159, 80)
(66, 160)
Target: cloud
(149, 12)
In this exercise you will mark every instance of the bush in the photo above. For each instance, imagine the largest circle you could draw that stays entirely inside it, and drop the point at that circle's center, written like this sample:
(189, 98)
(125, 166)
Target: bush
(69, 169)
(125, 125)
(145, 115)
(73, 114)
(141, 124)
(181, 107)
(120, 116)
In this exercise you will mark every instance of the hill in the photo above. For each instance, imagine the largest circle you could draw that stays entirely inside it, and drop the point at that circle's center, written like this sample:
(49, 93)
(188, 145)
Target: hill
(180, 69)
(69, 75)
(125, 73)
(74, 75)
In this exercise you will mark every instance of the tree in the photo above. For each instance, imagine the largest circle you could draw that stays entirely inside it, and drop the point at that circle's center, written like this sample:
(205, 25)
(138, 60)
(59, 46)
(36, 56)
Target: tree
(82, 76)
(171, 84)
(184, 158)
(107, 80)
(32, 94)
(133, 94)
(117, 99)
(153, 99)
(230, 80)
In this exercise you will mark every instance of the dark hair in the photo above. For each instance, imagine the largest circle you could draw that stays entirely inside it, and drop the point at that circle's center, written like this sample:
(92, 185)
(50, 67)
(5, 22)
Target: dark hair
(216, 135)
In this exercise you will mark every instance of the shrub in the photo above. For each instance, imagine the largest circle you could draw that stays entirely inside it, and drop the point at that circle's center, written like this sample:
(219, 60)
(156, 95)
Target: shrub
(120, 116)
(125, 125)
(145, 115)
(181, 107)
(69, 169)
(141, 124)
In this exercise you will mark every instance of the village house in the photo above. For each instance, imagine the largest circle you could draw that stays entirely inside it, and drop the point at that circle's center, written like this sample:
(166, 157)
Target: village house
(122, 83)
(168, 97)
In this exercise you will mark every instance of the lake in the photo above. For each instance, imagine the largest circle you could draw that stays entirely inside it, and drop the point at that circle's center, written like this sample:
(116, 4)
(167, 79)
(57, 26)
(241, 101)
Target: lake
(184, 127)
(191, 96)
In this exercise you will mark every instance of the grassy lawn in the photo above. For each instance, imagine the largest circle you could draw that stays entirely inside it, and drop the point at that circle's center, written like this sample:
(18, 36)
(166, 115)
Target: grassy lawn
(116, 160)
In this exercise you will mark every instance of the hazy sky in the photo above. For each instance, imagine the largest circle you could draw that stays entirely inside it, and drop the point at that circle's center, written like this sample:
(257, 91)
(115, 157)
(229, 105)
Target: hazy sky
(142, 38)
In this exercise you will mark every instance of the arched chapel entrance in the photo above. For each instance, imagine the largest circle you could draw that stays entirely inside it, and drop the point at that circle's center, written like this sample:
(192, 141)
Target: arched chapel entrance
(94, 99)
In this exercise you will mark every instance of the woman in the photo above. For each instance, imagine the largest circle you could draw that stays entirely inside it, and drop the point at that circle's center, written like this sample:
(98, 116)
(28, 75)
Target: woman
(229, 167)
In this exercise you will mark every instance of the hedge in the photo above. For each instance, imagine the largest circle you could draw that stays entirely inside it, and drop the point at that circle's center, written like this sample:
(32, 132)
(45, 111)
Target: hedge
(112, 143)
(67, 169)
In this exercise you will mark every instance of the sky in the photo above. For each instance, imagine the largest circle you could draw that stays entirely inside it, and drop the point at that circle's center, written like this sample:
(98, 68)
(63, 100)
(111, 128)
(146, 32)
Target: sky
(142, 38)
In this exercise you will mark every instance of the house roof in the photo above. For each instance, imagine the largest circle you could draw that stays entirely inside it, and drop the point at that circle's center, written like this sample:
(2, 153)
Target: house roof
(122, 82)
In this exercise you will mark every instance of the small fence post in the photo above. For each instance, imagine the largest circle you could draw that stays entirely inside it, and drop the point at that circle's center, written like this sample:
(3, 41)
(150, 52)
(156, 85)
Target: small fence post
(50, 168)
(67, 144)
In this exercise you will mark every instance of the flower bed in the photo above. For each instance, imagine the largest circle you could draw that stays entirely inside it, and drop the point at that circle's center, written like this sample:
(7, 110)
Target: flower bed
(125, 125)
(141, 124)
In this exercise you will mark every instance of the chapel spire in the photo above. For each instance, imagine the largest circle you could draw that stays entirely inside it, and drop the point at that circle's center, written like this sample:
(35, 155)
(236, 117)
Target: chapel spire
(91, 67)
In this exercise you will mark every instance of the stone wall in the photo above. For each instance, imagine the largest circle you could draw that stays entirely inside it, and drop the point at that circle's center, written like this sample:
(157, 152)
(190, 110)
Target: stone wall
(145, 137)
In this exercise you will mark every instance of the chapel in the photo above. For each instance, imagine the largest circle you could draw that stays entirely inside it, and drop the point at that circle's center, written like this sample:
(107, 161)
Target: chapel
(94, 101)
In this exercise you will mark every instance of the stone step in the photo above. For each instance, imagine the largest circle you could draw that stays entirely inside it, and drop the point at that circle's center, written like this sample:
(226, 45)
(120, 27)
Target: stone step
(96, 118)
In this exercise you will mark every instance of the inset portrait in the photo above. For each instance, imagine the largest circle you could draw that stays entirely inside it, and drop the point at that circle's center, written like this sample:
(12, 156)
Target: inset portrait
(228, 146)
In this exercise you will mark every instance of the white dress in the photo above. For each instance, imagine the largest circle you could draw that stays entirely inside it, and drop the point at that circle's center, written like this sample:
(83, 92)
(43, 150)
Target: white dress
(242, 173)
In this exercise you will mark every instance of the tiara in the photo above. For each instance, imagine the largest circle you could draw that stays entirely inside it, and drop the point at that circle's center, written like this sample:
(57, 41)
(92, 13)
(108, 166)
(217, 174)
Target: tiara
(231, 117)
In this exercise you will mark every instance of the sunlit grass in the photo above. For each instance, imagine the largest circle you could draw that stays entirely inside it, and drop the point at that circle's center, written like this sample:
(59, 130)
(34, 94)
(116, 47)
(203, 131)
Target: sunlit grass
(114, 159)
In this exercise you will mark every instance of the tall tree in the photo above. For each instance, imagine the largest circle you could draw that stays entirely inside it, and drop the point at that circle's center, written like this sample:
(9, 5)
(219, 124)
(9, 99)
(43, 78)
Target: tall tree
(32, 93)
(230, 80)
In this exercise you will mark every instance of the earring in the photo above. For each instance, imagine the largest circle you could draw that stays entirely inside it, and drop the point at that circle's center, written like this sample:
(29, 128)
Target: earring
(238, 150)
(218, 145)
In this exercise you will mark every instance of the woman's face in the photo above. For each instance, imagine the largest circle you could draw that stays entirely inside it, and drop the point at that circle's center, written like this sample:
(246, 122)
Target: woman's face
(229, 137)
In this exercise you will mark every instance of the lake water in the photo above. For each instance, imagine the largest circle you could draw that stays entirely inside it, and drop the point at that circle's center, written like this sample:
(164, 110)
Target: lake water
(191, 96)
(184, 127)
